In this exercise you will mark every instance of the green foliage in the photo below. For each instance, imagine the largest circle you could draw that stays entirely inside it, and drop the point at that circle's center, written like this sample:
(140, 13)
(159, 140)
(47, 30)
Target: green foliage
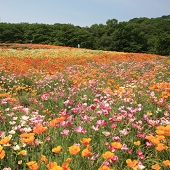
(137, 35)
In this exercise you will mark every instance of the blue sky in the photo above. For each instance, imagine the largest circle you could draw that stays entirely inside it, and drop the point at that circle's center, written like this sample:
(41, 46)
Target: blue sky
(80, 12)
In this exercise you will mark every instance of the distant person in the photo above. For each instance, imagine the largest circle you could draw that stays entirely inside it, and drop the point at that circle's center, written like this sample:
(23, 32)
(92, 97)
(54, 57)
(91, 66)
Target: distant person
(78, 45)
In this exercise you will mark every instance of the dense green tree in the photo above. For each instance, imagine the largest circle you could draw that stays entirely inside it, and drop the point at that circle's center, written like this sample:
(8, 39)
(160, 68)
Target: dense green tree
(136, 35)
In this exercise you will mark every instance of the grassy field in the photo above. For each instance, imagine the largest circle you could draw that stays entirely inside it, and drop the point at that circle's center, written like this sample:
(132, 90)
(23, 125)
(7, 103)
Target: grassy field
(65, 108)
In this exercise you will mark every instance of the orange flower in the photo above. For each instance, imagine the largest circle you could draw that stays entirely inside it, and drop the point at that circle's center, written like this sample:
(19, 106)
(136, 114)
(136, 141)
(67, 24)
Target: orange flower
(26, 135)
(85, 141)
(155, 141)
(65, 165)
(116, 145)
(39, 129)
(167, 163)
(104, 167)
(23, 153)
(5, 140)
(132, 164)
(2, 153)
(56, 121)
(43, 159)
(57, 149)
(108, 155)
(137, 143)
(160, 137)
(51, 165)
(150, 137)
(28, 140)
(156, 167)
(167, 130)
(33, 165)
(86, 152)
(160, 132)
(161, 147)
(74, 149)
(54, 166)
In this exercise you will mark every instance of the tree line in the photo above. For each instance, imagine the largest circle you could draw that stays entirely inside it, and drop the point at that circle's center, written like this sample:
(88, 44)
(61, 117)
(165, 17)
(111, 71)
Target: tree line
(144, 35)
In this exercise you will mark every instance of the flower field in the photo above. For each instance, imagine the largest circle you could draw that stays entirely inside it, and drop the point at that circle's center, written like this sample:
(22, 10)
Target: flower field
(65, 108)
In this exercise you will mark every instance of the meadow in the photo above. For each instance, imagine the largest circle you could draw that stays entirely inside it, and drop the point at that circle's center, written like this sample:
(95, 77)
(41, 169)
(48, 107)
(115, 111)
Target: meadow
(65, 108)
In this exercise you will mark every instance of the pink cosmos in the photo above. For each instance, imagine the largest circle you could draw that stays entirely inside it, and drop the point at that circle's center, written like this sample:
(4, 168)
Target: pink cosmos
(93, 107)
(105, 163)
(101, 123)
(148, 144)
(48, 138)
(124, 147)
(64, 132)
(124, 132)
(115, 159)
(95, 128)
(94, 157)
(113, 126)
(80, 130)
(116, 138)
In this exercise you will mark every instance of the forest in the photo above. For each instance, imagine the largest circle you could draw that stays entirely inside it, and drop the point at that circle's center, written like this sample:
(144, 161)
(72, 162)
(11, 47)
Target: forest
(141, 35)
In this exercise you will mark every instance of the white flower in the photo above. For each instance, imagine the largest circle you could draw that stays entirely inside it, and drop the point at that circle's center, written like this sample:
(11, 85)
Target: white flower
(12, 132)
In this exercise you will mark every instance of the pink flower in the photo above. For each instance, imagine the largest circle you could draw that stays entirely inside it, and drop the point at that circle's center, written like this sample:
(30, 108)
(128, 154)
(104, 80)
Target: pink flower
(113, 126)
(65, 132)
(148, 144)
(115, 158)
(80, 130)
(48, 138)
(95, 128)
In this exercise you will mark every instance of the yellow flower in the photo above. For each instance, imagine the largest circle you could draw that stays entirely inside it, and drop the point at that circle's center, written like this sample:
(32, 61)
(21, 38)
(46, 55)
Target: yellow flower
(57, 149)
(137, 143)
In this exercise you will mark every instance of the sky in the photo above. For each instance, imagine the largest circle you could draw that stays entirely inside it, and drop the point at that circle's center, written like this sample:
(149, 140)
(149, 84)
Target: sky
(83, 13)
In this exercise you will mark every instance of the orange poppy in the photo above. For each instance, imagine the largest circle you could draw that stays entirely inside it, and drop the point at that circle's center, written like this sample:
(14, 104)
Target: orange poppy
(108, 155)
(116, 145)
(57, 149)
(156, 167)
(74, 149)
(85, 141)
(2, 153)
(23, 153)
(5, 140)
(39, 129)
(43, 158)
(166, 163)
(132, 164)
(56, 121)
(33, 165)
